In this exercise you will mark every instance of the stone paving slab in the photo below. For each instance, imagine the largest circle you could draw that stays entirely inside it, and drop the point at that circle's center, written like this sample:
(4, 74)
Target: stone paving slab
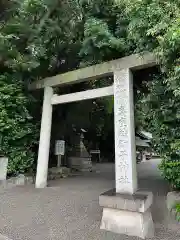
(69, 210)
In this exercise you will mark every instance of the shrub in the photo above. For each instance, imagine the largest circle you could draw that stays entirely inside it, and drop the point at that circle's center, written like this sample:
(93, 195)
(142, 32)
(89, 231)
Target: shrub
(18, 133)
(177, 211)
(171, 172)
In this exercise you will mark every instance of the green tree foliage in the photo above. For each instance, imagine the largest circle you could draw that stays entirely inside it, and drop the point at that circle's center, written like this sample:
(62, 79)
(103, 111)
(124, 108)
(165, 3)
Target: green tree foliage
(32, 36)
(144, 26)
(40, 38)
(171, 173)
(137, 26)
(155, 27)
(16, 127)
(177, 211)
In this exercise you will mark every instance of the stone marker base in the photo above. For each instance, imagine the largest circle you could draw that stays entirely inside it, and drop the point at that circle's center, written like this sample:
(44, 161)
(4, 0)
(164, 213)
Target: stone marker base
(127, 214)
(20, 180)
(58, 172)
(129, 223)
(82, 164)
(3, 168)
(172, 199)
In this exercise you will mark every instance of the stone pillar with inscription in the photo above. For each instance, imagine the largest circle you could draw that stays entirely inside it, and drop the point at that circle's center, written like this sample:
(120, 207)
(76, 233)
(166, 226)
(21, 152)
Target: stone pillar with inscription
(126, 210)
(125, 153)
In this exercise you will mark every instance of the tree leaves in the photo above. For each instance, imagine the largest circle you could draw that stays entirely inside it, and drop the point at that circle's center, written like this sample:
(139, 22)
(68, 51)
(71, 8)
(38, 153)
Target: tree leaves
(40, 38)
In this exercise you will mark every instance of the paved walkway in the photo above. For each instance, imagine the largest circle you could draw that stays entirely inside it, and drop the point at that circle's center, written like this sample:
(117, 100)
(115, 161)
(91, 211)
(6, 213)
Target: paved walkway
(69, 210)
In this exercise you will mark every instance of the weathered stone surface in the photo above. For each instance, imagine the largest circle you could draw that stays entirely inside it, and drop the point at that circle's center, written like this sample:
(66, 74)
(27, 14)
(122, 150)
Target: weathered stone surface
(80, 163)
(80, 159)
(3, 168)
(29, 180)
(138, 202)
(129, 223)
(56, 173)
(135, 61)
(59, 170)
(172, 199)
(20, 180)
(2, 237)
(44, 141)
(125, 153)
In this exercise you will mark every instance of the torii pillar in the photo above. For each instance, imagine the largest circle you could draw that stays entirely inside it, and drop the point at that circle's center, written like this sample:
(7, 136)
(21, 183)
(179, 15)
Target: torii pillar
(44, 142)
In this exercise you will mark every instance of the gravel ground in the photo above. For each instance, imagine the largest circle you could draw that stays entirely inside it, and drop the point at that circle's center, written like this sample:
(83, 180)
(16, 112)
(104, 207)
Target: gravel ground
(68, 209)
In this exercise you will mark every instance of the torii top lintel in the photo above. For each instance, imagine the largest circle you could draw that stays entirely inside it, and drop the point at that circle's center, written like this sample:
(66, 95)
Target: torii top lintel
(135, 61)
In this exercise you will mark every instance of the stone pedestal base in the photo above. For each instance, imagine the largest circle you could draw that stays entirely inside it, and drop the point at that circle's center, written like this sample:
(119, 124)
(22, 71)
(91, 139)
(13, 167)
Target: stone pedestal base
(58, 172)
(81, 164)
(3, 168)
(172, 199)
(129, 223)
(127, 214)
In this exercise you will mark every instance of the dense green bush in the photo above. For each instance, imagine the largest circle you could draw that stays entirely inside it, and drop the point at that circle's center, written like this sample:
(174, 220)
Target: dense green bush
(177, 211)
(17, 131)
(171, 172)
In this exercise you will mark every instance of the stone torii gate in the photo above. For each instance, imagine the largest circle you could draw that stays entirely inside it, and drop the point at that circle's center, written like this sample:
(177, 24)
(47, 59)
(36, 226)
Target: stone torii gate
(125, 209)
